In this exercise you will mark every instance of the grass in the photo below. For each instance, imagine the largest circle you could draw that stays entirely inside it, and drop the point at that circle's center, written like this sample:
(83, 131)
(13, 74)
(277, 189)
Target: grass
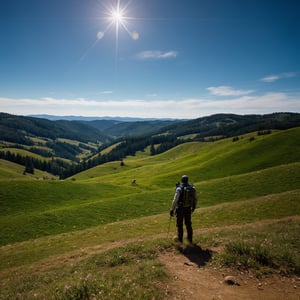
(273, 248)
(270, 207)
(248, 255)
(104, 194)
(96, 235)
(120, 273)
(13, 171)
(134, 269)
(35, 210)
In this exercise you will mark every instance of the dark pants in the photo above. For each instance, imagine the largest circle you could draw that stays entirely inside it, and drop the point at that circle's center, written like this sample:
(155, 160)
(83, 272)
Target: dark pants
(184, 213)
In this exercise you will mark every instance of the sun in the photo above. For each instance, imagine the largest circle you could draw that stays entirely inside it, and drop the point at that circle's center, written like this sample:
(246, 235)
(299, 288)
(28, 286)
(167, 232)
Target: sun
(117, 18)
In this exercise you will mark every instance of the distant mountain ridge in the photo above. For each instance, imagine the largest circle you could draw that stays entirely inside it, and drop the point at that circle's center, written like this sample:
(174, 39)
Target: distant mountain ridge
(83, 118)
(69, 147)
(227, 125)
(17, 128)
(14, 128)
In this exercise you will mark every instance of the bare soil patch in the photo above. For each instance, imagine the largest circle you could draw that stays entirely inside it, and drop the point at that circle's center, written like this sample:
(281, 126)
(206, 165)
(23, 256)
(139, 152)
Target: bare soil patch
(191, 279)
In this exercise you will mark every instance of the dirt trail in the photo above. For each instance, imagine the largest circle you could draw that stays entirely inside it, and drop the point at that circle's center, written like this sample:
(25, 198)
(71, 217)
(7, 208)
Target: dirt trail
(87, 251)
(191, 280)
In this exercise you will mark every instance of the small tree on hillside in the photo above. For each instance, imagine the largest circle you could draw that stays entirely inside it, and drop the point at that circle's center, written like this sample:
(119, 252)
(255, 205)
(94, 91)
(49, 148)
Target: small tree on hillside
(29, 168)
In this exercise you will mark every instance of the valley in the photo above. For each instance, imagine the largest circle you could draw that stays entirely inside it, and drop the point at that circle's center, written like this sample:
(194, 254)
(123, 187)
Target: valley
(97, 235)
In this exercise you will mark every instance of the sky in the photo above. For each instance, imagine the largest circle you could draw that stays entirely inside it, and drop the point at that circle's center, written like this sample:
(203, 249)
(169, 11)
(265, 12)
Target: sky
(149, 58)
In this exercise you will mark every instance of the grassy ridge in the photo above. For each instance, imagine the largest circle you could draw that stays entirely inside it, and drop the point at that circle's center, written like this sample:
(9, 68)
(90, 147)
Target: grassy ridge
(69, 233)
(83, 205)
(104, 194)
(269, 207)
(10, 170)
(71, 260)
(205, 161)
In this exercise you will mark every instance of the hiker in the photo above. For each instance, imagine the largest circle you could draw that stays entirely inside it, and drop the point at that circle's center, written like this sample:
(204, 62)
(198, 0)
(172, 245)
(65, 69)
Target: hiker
(184, 204)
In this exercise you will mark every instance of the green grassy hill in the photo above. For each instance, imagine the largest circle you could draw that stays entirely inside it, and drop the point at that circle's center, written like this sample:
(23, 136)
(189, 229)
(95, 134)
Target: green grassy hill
(10, 170)
(104, 194)
(247, 181)
(64, 148)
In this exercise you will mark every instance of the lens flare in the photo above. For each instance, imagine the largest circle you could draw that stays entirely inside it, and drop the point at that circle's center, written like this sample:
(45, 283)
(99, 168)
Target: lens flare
(100, 35)
(135, 35)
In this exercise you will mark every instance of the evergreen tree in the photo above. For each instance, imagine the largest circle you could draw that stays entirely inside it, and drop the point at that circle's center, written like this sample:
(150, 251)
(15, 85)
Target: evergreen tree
(29, 168)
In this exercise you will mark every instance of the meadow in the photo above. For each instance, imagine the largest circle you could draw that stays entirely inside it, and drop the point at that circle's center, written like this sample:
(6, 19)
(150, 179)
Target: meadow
(98, 235)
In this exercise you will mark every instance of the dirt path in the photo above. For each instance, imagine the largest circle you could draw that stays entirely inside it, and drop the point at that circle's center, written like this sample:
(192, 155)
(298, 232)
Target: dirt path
(83, 253)
(191, 280)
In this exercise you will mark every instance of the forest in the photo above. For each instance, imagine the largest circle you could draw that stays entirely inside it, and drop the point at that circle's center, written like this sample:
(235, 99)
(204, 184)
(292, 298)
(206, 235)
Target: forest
(65, 158)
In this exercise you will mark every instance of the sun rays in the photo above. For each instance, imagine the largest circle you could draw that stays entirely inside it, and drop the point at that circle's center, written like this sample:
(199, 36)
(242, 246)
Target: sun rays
(113, 19)
(117, 16)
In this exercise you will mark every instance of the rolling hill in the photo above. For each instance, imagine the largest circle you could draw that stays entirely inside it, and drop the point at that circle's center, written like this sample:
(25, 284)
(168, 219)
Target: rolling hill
(68, 147)
(228, 125)
(95, 233)
(232, 169)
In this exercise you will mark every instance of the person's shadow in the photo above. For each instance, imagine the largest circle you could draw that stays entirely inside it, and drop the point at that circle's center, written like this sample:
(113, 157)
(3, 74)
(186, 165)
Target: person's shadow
(196, 254)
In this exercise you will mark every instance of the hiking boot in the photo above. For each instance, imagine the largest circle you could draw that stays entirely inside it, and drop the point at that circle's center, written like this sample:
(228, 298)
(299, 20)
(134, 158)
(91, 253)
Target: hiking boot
(190, 242)
(177, 240)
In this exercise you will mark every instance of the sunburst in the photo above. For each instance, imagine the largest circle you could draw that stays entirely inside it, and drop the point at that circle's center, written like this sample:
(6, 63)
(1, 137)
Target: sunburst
(116, 16)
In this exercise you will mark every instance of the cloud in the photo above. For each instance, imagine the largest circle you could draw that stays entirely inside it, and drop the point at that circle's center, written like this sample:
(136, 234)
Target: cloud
(105, 93)
(155, 54)
(275, 77)
(154, 108)
(227, 91)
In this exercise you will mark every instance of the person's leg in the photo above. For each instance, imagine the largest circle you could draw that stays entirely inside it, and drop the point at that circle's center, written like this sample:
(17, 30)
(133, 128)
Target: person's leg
(188, 224)
(179, 224)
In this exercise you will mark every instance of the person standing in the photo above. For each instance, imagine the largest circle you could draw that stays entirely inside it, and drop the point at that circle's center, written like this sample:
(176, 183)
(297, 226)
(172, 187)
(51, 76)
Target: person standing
(183, 205)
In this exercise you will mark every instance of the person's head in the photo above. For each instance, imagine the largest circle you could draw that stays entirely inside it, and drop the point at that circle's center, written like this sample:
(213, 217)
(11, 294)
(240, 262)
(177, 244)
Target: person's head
(184, 179)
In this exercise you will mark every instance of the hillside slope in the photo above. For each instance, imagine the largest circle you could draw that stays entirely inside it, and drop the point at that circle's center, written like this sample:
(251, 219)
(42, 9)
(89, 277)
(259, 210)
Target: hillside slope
(10, 171)
(69, 147)
(96, 261)
(203, 161)
(222, 171)
(17, 129)
(96, 234)
(228, 125)
(133, 128)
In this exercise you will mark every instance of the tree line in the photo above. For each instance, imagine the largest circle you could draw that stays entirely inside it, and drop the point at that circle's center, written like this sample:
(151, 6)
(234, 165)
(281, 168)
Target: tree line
(54, 166)
(63, 169)
(126, 147)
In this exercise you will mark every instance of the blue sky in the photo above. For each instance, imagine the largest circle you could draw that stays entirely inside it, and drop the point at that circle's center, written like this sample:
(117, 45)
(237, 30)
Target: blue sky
(161, 58)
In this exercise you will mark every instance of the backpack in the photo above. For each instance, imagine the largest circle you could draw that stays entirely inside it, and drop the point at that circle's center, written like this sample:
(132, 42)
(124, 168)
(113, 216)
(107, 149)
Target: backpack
(187, 196)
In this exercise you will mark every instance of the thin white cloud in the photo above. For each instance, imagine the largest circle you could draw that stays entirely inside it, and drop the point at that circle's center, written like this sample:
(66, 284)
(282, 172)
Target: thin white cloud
(105, 93)
(275, 77)
(224, 90)
(156, 54)
(184, 108)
